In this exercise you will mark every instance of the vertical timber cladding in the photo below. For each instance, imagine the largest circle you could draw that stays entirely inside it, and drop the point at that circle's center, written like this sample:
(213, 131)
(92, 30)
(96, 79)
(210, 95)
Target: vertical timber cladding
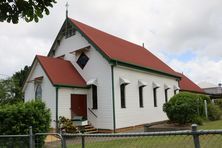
(79, 105)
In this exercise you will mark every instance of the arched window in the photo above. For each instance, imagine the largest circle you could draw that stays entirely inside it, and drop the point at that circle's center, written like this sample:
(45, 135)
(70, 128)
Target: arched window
(38, 92)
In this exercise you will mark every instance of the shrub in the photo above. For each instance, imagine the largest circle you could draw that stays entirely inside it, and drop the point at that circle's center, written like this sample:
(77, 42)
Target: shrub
(197, 120)
(17, 118)
(204, 97)
(219, 103)
(66, 125)
(214, 112)
(184, 107)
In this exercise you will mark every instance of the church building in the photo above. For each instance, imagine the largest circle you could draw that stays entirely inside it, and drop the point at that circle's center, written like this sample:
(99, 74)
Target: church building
(109, 82)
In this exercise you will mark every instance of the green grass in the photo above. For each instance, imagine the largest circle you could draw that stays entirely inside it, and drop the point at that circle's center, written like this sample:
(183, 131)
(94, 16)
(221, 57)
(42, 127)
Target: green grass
(211, 125)
(206, 141)
(143, 142)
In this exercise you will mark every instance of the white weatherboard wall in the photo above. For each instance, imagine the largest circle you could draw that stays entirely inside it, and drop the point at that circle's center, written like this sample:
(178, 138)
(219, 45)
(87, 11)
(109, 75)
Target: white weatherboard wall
(96, 68)
(64, 100)
(64, 108)
(48, 91)
(134, 115)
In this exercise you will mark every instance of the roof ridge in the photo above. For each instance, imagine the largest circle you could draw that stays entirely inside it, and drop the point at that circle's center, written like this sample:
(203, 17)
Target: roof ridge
(53, 58)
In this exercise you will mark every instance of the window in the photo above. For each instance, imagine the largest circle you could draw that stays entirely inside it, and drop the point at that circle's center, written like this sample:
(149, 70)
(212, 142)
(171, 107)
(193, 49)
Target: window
(94, 96)
(176, 88)
(166, 95)
(38, 92)
(155, 96)
(175, 91)
(82, 60)
(122, 95)
(155, 87)
(141, 96)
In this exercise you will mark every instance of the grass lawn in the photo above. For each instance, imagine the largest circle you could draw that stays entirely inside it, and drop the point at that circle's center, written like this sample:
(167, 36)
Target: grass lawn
(157, 142)
(183, 141)
(211, 125)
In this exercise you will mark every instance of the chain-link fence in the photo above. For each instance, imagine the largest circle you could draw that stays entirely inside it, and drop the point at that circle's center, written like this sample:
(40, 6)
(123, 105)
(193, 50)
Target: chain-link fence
(174, 139)
(48, 140)
(14, 141)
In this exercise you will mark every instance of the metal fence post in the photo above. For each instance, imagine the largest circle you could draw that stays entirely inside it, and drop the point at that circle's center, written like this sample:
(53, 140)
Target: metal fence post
(30, 137)
(83, 141)
(63, 138)
(205, 107)
(195, 136)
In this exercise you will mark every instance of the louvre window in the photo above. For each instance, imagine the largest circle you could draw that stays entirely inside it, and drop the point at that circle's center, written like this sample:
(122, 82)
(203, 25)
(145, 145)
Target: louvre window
(68, 31)
(82, 60)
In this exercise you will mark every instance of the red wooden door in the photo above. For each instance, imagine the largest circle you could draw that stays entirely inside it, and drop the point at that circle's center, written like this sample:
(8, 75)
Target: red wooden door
(79, 105)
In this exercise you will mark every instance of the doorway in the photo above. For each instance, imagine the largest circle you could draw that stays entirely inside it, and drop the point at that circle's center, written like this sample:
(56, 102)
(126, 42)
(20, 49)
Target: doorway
(79, 105)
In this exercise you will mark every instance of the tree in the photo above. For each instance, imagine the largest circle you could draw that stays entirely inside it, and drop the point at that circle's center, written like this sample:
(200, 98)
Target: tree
(12, 10)
(21, 75)
(11, 88)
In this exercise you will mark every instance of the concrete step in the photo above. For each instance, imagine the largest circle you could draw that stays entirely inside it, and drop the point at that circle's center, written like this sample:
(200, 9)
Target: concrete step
(89, 129)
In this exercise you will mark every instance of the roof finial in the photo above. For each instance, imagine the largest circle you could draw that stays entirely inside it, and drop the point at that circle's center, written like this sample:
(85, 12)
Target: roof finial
(143, 44)
(67, 6)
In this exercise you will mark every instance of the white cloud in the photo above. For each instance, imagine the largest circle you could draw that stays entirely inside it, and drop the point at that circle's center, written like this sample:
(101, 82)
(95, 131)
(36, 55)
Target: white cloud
(200, 69)
(173, 27)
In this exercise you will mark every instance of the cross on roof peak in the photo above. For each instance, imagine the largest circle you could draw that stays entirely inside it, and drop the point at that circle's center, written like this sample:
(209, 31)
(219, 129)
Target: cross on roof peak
(67, 9)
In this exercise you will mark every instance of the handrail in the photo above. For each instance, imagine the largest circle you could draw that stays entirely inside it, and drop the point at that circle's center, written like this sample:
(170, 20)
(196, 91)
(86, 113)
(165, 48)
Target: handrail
(92, 112)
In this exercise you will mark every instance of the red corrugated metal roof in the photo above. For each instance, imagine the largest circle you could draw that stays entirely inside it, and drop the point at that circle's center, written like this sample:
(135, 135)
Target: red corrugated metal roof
(121, 50)
(61, 72)
(186, 84)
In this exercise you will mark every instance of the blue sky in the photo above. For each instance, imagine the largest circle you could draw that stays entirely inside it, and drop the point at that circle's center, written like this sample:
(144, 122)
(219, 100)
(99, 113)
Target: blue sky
(186, 56)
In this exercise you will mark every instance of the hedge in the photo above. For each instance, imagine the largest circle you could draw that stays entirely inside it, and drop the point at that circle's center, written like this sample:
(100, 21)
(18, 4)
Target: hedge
(17, 118)
(185, 107)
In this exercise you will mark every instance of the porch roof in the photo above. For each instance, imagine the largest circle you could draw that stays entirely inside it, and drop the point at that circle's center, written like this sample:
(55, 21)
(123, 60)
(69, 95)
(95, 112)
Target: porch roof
(61, 72)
